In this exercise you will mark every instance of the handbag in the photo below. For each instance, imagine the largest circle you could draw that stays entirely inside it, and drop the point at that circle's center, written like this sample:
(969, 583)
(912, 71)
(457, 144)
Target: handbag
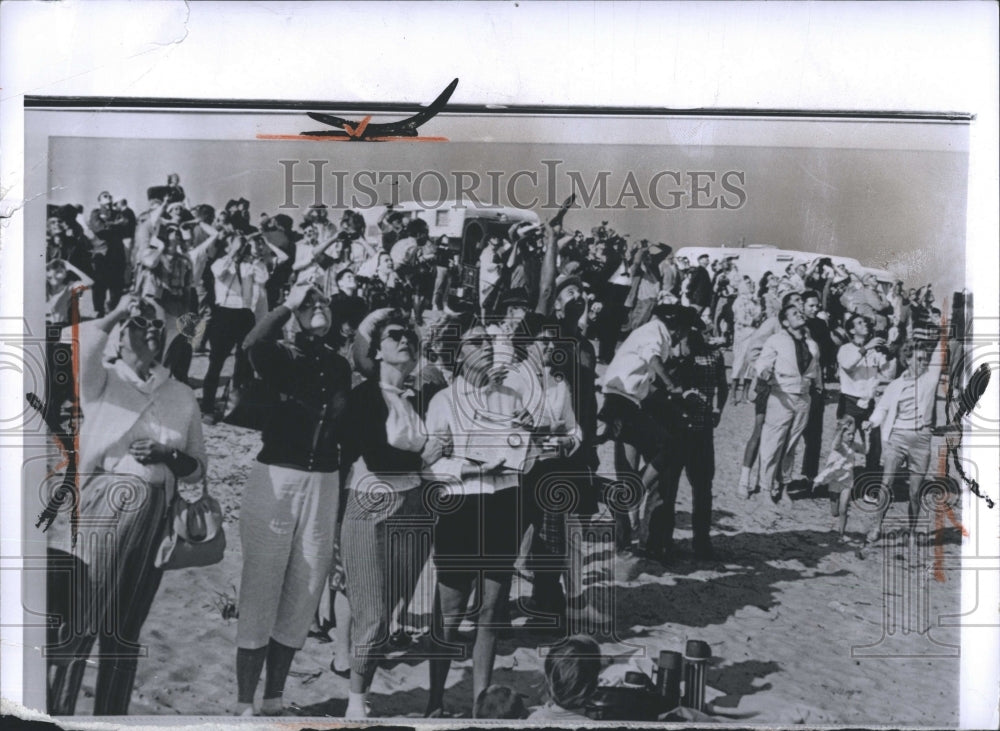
(194, 535)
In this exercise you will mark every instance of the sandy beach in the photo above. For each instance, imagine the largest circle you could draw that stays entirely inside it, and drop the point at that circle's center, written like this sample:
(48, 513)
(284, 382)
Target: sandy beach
(802, 628)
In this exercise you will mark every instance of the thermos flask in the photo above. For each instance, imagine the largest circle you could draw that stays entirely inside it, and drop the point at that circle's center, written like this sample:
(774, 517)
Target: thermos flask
(696, 655)
(669, 668)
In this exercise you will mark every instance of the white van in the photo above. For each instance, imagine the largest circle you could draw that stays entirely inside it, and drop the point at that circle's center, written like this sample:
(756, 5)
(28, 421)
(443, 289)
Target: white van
(754, 260)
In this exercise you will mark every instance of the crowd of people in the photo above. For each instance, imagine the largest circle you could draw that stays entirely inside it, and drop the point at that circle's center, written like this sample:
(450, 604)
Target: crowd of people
(392, 401)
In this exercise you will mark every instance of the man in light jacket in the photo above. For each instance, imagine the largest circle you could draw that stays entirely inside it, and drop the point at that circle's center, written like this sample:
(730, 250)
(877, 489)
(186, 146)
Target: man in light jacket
(905, 414)
(789, 362)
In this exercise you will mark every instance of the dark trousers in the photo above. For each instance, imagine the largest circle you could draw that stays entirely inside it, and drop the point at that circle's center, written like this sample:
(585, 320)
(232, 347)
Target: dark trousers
(547, 488)
(691, 452)
(610, 320)
(109, 277)
(813, 436)
(178, 358)
(226, 331)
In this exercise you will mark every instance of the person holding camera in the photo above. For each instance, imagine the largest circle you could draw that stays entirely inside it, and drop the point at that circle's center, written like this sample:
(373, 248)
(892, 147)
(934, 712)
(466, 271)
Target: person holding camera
(702, 375)
(862, 364)
(165, 275)
(240, 276)
(699, 286)
(110, 261)
(414, 259)
(391, 223)
(647, 282)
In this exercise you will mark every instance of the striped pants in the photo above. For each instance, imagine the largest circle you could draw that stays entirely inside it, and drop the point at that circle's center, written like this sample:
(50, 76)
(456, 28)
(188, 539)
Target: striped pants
(121, 524)
(384, 544)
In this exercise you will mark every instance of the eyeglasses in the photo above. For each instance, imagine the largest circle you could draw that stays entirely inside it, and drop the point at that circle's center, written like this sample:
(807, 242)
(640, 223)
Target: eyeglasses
(398, 335)
(477, 341)
(312, 299)
(142, 323)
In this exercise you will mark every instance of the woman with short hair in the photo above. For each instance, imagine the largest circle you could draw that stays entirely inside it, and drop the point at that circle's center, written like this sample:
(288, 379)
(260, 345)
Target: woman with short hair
(289, 506)
(141, 435)
(479, 422)
(386, 442)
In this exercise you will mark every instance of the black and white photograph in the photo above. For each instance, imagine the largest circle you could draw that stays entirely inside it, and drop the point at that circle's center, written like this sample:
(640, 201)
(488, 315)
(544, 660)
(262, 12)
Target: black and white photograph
(420, 409)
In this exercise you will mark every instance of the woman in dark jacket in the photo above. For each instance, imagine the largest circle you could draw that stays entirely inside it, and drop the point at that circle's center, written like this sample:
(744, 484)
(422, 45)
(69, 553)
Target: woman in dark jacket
(386, 441)
(289, 507)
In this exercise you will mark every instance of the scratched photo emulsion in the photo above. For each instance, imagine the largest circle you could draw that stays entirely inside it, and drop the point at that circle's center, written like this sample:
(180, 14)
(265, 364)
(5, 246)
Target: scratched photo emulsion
(581, 418)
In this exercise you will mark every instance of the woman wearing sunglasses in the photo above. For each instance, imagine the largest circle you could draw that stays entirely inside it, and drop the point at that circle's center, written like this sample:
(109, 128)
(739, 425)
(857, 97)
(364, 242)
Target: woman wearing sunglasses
(289, 505)
(141, 434)
(480, 423)
(386, 442)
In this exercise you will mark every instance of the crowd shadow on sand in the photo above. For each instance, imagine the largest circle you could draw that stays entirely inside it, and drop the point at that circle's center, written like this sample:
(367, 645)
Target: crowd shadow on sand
(737, 680)
(745, 576)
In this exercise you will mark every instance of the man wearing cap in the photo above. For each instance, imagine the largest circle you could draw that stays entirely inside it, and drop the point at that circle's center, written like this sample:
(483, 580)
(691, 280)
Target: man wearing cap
(789, 363)
(109, 258)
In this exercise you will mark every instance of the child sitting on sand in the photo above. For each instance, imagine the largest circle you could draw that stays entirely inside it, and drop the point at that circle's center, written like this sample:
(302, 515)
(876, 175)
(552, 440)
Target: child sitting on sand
(838, 472)
(500, 701)
(571, 672)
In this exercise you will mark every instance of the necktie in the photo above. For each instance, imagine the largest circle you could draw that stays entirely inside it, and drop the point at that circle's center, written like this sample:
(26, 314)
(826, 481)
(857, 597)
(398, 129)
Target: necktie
(802, 355)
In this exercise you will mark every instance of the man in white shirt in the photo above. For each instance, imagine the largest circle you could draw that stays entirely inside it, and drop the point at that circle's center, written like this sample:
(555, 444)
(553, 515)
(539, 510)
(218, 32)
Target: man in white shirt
(862, 365)
(906, 414)
(789, 362)
(628, 381)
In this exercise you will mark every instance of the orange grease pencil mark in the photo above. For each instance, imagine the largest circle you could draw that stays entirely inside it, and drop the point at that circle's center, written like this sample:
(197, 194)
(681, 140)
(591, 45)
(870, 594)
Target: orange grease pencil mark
(65, 458)
(944, 509)
(356, 132)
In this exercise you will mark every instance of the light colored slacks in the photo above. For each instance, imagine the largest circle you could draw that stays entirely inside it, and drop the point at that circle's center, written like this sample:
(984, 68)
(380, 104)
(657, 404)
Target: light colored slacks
(287, 524)
(786, 418)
